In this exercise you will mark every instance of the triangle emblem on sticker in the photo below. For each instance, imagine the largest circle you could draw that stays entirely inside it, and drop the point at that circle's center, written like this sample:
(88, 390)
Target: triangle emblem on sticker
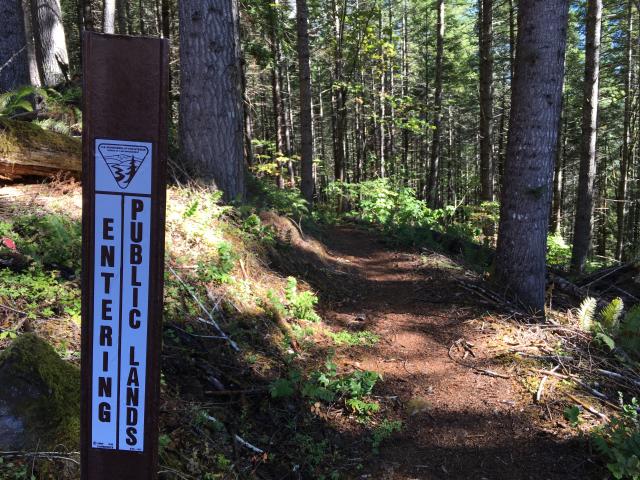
(123, 161)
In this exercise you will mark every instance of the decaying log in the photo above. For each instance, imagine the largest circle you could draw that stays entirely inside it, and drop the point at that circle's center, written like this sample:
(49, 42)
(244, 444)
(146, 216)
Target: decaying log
(28, 150)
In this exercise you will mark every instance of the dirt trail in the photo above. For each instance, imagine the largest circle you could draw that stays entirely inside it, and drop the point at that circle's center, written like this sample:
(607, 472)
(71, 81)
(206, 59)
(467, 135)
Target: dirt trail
(458, 423)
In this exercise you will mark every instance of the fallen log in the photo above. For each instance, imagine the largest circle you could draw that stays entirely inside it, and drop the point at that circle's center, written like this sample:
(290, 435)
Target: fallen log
(27, 150)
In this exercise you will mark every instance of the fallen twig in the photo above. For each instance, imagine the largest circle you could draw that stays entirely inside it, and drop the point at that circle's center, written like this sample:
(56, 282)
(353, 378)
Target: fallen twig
(211, 320)
(588, 408)
(458, 343)
(542, 382)
(237, 438)
(618, 376)
(49, 455)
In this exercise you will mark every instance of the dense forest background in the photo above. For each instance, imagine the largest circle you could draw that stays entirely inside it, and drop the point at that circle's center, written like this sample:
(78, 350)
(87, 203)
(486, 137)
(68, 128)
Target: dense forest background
(348, 99)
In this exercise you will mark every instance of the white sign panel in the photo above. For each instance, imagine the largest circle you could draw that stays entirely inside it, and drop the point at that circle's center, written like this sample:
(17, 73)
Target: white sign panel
(120, 293)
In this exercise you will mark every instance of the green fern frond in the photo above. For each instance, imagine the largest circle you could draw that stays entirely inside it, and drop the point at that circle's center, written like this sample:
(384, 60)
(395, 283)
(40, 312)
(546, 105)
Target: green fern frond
(610, 315)
(629, 332)
(53, 125)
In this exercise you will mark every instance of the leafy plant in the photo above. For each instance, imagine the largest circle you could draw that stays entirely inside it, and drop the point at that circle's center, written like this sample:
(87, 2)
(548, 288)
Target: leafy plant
(629, 332)
(39, 294)
(282, 387)
(300, 305)
(53, 240)
(558, 251)
(605, 327)
(345, 337)
(327, 385)
(191, 209)
(619, 442)
(361, 407)
(20, 100)
(286, 201)
(219, 272)
(610, 316)
(384, 431)
(572, 415)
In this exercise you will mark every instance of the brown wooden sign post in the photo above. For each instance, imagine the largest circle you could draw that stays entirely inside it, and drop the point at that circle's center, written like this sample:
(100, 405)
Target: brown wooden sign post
(124, 163)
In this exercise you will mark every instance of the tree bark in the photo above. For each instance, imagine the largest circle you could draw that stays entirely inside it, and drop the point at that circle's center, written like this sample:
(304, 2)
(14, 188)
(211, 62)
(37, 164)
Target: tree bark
(211, 118)
(276, 95)
(87, 14)
(536, 98)
(122, 17)
(306, 119)
(109, 16)
(486, 100)
(621, 206)
(583, 227)
(34, 74)
(50, 43)
(558, 178)
(166, 19)
(14, 60)
(434, 165)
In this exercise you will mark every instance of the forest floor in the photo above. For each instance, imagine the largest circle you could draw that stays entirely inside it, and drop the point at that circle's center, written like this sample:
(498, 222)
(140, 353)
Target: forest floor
(461, 394)
(464, 418)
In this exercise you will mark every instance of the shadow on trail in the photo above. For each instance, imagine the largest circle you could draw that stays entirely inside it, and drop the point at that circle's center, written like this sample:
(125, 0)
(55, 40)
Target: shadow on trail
(468, 425)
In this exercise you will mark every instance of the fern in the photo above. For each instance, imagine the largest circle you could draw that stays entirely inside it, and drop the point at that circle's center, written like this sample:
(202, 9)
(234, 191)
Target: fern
(619, 442)
(610, 316)
(19, 100)
(300, 305)
(54, 125)
(629, 332)
(586, 312)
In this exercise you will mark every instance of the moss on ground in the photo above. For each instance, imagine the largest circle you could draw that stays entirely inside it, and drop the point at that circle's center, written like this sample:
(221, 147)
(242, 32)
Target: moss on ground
(53, 416)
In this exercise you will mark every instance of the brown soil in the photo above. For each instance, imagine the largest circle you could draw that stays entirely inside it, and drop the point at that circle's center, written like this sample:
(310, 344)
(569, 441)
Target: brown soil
(458, 422)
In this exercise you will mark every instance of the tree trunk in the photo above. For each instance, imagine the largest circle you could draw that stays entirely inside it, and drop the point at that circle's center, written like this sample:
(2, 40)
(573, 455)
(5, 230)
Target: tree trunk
(558, 178)
(166, 19)
(122, 16)
(211, 118)
(109, 16)
(276, 95)
(34, 74)
(433, 184)
(143, 30)
(405, 87)
(486, 100)
(14, 59)
(381, 101)
(339, 94)
(583, 228)
(87, 14)
(50, 43)
(288, 124)
(536, 99)
(512, 39)
(306, 118)
(621, 209)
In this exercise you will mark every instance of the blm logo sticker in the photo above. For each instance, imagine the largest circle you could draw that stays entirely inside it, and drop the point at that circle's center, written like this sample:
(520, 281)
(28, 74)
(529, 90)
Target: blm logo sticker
(123, 161)
(122, 228)
(123, 167)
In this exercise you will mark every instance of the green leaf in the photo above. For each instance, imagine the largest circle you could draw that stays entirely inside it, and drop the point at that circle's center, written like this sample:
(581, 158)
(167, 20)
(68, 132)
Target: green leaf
(606, 339)
(572, 415)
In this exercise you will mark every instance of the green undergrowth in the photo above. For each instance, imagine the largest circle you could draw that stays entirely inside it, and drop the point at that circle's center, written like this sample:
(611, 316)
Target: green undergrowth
(219, 303)
(43, 281)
